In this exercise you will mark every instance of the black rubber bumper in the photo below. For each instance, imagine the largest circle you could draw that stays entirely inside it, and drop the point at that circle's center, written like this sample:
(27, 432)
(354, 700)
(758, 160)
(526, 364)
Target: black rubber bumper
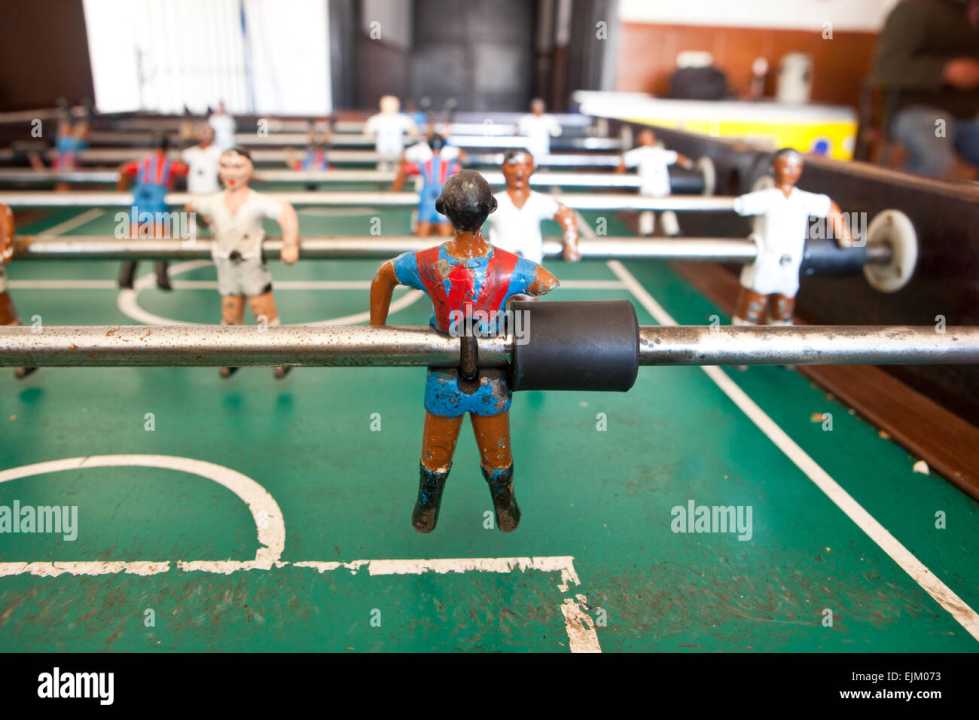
(825, 257)
(576, 346)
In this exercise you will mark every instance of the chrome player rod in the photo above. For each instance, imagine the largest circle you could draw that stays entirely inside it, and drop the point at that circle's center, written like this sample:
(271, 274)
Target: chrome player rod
(809, 345)
(81, 247)
(215, 345)
(540, 179)
(488, 140)
(576, 201)
(338, 157)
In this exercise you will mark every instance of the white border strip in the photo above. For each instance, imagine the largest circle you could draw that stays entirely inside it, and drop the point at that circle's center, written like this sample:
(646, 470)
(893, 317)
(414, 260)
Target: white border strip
(931, 584)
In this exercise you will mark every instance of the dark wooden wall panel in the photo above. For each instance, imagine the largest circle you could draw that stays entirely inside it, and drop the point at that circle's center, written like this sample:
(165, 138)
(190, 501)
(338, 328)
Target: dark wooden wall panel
(43, 54)
(647, 57)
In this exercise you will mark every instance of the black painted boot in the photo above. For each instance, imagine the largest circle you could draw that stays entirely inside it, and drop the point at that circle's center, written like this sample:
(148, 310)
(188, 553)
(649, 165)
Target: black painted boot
(430, 486)
(500, 481)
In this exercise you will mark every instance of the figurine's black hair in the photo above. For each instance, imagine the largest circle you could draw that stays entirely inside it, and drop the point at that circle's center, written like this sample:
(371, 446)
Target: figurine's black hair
(467, 200)
(161, 142)
(437, 142)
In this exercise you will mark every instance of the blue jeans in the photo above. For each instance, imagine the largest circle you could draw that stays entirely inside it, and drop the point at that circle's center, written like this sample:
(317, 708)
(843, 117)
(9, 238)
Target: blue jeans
(932, 139)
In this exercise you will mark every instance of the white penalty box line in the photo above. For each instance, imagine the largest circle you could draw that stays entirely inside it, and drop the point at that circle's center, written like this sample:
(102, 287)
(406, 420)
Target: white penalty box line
(579, 625)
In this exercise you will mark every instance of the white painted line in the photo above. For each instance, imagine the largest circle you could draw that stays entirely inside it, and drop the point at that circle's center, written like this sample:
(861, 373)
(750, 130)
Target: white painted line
(269, 523)
(931, 584)
(563, 564)
(72, 223)
(271, 530)
(582, 637)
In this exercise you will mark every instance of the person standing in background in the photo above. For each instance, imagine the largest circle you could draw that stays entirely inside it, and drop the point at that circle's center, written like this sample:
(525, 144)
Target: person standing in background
(928, 55)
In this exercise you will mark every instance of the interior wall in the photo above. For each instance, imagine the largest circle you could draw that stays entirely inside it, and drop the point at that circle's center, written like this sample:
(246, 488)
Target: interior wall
(33, 78)
(647, 56)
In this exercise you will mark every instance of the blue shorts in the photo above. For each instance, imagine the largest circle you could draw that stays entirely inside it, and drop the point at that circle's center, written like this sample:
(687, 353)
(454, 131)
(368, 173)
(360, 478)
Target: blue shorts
(428, 213)
(444, 398)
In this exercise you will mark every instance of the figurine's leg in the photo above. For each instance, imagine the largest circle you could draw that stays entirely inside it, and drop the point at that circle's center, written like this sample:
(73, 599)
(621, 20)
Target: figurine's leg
(232, 313)
(781, 309)
(424, 229)
(127, 274)
(264, 309)
(445, 229)
(162, 268)
(8, 316)
(669, 223)
(438, 445)
(647, 222)
(751, 308)
(493, 439)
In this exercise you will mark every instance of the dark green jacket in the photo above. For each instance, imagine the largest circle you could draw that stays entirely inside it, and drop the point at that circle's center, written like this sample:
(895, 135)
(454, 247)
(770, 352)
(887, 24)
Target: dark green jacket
(918, 38)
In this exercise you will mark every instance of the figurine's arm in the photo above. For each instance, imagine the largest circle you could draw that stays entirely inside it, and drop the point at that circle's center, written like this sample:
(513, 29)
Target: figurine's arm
(841, 228)
(289, 222)
(684, 162)
(544, 282)
(6, 234)
(125, 177)
(382, 287)
(565, 217)
(399, 176)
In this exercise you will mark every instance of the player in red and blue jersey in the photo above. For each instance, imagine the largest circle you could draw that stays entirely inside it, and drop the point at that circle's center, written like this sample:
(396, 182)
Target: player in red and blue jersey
(465, 277)
(434, 165)
(314, 159)
(154, 176)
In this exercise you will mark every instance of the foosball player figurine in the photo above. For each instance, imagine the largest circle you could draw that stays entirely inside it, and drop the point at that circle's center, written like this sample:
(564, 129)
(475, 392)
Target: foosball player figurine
(235, 217)
(770, 283)
(315, 158)
(515, 226)
(152, 178)
(434, 162)
(387, 128)
(463, 276)
(8, 313)
(652, 163)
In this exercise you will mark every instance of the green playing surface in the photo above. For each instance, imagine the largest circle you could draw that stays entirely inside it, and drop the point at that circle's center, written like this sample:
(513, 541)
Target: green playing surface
(597, 561)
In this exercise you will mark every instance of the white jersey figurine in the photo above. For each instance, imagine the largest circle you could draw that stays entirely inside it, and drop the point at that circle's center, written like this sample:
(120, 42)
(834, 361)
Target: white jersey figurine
(770, 283)
(235, 217)
(515, 226)
(538, 128)
(652, 163)
(388, 129)
(224, 127)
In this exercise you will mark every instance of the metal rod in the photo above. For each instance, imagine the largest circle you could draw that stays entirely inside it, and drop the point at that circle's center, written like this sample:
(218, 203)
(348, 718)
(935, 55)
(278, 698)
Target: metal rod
(576, 201)
(487, 141)
(341, 157)
(215, 345)
(540, 179)
(362, 247)
(354, 247)
(809, 345)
